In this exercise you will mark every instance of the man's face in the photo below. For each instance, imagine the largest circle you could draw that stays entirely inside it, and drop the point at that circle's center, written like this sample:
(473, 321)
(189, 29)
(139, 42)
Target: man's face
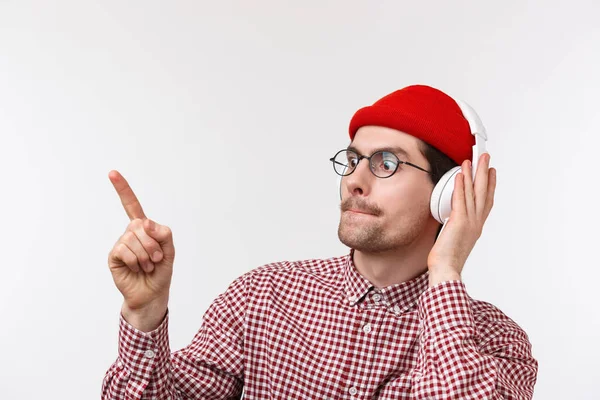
(384, 214)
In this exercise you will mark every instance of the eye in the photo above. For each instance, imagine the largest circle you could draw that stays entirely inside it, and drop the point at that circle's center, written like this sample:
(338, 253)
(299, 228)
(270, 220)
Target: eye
(388, 162)
(352, 161)
(388, 165)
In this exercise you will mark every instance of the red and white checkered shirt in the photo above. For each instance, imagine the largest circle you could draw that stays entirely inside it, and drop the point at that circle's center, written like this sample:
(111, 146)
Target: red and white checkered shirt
(317, 329)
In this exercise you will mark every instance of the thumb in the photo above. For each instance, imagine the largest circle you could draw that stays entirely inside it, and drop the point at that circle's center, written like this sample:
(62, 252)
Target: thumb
(163, 235)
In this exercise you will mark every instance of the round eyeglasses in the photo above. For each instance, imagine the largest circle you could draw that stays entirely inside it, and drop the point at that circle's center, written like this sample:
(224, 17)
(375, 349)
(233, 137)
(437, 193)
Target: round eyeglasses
(382, 164)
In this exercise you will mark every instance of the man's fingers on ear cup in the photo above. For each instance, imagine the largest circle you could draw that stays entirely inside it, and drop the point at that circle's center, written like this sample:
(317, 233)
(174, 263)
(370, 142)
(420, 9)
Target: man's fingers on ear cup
(489, 201)
(458, 195)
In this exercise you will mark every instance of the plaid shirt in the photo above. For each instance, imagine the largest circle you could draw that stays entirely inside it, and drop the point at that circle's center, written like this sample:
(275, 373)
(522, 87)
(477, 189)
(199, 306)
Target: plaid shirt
(317, 329)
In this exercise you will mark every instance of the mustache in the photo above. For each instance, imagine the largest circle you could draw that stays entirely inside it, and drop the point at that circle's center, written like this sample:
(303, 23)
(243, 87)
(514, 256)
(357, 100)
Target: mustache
(359, 205)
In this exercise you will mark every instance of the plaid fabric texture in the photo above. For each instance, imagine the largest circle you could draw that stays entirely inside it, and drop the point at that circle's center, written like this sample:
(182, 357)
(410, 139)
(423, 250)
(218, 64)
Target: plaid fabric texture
(317, 329)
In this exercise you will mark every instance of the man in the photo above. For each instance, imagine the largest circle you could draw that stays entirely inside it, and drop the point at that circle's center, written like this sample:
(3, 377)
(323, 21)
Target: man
(390, 320)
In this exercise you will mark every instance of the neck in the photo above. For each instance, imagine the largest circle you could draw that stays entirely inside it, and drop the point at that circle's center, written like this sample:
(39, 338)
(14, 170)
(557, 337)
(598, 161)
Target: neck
(394, 266)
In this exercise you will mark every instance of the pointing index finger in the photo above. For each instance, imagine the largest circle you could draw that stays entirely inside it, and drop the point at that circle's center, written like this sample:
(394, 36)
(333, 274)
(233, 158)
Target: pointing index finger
(132, 206)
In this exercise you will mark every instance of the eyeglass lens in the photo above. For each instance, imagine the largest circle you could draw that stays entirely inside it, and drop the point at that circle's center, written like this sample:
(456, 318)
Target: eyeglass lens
(382, 163)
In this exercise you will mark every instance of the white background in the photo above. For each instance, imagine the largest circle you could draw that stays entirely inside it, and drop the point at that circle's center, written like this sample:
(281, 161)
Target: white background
(222, 116)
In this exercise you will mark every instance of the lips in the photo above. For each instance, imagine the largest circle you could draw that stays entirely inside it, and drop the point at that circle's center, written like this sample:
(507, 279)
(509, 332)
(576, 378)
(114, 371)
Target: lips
(360, 212)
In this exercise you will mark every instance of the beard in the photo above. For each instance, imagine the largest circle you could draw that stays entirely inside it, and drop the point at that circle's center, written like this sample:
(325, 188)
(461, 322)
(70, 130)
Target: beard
(368, 233)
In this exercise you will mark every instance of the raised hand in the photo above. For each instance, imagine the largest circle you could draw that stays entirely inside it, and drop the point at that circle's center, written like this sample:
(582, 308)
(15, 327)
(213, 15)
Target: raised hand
(471, 206)
(141, 262)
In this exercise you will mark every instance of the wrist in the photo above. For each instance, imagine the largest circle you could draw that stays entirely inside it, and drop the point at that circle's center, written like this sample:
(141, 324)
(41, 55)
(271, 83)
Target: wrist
(146, 318)
(437, 276)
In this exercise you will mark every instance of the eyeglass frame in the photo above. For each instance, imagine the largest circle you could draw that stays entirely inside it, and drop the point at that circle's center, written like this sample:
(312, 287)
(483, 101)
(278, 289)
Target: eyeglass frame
(360, 157)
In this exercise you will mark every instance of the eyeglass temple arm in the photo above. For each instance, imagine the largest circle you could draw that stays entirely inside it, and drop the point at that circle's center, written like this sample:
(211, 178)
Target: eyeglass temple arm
(416, 166)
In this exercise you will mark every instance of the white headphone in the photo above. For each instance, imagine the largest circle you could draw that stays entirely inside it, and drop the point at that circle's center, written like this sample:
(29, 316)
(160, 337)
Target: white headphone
(441, 197)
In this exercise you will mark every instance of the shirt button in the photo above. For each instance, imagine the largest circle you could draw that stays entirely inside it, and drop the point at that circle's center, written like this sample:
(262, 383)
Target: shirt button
(397, 309)
(376, 297)
(149, 354)
(367, 328)
(352, 299)
(352, 391)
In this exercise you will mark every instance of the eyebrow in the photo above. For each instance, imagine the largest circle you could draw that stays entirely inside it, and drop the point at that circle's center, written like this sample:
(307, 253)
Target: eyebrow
(392, 149)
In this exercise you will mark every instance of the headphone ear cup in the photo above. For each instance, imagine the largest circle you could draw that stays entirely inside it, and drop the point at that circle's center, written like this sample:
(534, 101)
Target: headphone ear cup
(441, 197)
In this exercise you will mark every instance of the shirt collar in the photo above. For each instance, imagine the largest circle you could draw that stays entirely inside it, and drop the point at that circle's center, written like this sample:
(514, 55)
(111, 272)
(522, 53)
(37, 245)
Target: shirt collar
(400, 296)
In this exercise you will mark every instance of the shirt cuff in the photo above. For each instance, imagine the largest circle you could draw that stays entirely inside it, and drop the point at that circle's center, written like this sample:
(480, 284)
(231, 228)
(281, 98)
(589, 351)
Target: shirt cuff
(143, 352)
(445, 306)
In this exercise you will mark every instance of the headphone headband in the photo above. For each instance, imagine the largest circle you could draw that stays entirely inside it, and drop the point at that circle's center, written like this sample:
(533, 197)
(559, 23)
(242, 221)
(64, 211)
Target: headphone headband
(477, 130)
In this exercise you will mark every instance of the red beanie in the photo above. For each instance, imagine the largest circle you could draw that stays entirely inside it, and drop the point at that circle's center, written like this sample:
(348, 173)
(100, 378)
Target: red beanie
(425, 113)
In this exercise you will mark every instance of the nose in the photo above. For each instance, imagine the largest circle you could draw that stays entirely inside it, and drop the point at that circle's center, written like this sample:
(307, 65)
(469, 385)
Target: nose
(358, 183)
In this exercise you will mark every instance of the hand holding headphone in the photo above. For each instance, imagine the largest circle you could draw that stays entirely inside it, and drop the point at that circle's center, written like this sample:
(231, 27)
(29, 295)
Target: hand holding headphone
(441, 197)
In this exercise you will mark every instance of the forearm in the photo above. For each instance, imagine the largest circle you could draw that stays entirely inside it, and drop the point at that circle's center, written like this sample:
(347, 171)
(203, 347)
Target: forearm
(452, 368)
(211, 367)
(143, 367)
(452, 364)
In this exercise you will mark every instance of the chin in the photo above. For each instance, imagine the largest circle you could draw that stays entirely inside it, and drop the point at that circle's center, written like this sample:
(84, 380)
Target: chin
(362, 237)
(372, 236)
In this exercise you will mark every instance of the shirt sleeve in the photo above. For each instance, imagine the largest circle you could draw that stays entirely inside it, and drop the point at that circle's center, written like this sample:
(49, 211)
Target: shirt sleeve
(210, 367)
(464, 355)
